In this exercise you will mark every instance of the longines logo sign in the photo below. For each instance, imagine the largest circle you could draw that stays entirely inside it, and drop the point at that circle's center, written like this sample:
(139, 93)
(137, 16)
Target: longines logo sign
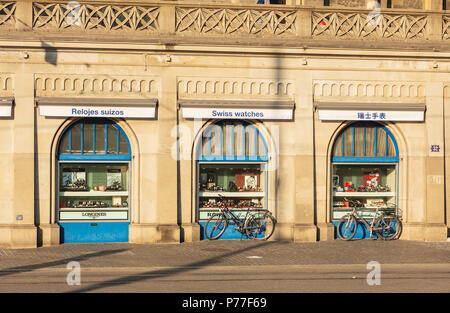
(93, 215)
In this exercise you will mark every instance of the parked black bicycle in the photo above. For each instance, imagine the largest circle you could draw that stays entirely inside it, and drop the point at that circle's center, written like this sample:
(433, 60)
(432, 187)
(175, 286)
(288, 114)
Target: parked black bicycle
(384, 225)
(257, 224)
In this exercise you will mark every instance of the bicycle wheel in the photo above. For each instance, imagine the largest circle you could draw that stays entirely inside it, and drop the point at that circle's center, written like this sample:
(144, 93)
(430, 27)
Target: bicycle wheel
(215, 226)
(260, 225)
(346, 228)
(388, 227)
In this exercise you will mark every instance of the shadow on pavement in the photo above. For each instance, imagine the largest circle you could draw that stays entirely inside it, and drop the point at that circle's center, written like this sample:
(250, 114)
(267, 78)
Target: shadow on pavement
(167, 272)
(29, 268)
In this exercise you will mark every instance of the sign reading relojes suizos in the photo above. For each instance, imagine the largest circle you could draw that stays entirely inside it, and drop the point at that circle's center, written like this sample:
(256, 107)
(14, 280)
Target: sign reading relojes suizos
(96, 111)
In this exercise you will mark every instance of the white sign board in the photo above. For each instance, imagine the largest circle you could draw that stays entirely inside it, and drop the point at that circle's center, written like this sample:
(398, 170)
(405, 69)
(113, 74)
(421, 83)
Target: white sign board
(205, 214)
(96, 111)
(5, 110)
(93, 215)
(248, 114)
(372, 115)
(5, 107)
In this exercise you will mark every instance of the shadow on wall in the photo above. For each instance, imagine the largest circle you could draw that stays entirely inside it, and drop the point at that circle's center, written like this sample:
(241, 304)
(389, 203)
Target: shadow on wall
(51, 54)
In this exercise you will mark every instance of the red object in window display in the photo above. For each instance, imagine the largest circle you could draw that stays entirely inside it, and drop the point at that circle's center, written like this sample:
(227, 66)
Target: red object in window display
(349, 186)
(372, 178)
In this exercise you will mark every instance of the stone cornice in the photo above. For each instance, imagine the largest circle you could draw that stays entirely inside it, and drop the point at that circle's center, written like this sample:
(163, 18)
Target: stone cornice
(369, 91)
(234, 88)
(67, 85)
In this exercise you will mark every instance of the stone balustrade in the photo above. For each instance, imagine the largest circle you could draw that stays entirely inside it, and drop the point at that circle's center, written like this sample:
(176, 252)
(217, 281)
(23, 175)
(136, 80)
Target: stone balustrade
(183, 20)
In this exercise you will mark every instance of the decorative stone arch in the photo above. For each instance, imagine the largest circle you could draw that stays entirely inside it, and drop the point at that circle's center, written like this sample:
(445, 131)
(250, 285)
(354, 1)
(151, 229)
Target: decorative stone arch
(134, 165)
(272, 148)
(403, 151)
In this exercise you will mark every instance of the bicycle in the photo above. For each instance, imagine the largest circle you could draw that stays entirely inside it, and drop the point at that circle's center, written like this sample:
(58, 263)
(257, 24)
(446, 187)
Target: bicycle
(257, 224)
(386, 226)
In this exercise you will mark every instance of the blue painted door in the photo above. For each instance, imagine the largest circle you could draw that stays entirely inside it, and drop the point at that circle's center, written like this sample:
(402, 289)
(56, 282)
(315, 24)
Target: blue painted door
(94, 232)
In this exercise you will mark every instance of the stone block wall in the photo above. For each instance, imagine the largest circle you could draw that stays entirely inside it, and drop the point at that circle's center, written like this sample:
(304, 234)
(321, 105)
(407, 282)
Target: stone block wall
(408, 4)
(395, 4)
(348, 3)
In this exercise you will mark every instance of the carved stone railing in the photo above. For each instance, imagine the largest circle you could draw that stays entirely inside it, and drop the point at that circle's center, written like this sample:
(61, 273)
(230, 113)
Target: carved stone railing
(101, 17)
(154, 20)
(369, 25)
(235, 21)
(446, 27)
(7, 10)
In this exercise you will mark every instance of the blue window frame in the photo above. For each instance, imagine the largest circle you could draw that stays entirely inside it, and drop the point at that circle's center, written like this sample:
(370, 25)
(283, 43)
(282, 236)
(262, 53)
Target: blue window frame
(367, 143)
(360, 148)
(228, 148)
(232, 141)
(94, 139)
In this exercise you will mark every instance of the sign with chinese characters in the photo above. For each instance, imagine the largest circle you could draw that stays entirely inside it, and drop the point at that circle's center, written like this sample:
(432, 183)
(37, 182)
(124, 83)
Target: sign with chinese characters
(370, 115)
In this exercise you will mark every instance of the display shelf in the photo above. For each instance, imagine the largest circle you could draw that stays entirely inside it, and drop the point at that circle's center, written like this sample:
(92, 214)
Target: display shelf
(238, 194)
(92, 193)
(363, 194)
(93, 209)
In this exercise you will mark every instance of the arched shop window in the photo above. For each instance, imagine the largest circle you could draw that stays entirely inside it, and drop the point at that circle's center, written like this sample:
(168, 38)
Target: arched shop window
(94, 139)
(364, 167)
(362, 142)
(232, 160)
(93, 186)
(232, 141)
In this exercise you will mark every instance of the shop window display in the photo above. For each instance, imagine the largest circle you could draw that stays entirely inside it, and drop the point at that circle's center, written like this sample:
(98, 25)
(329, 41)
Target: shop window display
(93, 172)
(232, 160)
(93, 191)
(364, 168)
(242, 185)
(374, 186)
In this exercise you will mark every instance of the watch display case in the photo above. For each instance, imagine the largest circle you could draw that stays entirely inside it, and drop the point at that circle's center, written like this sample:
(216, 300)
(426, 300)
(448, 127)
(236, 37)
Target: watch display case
(373, 185)
(242, 186)
(93, 191)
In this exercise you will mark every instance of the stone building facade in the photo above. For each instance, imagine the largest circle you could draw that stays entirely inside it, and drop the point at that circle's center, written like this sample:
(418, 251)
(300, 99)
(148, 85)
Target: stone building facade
(125, 97)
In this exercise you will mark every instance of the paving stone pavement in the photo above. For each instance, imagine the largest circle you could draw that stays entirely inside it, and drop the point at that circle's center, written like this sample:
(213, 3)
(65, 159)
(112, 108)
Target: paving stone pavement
(226, 253)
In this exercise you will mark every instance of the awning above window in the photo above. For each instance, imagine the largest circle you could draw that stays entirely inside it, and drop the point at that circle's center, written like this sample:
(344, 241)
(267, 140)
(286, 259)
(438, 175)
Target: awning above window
(6, 107)
(237, 109)
(370, 111)
(97, 107)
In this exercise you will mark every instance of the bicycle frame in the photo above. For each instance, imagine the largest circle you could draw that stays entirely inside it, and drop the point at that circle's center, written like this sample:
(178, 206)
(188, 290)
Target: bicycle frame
(239, 222)
(229, 214)
(369, 224)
